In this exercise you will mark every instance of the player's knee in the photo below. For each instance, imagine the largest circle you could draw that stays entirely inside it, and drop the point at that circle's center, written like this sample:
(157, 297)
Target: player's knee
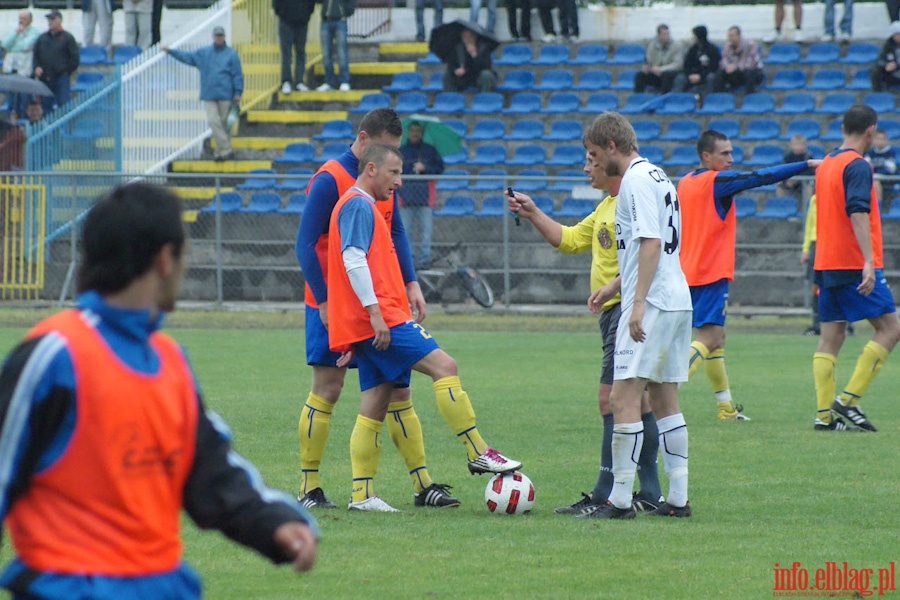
(445, 366)
(401, 394)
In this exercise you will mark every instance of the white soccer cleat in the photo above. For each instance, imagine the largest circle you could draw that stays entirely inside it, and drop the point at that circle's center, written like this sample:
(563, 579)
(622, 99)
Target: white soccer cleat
(492, 461)
(373, 504)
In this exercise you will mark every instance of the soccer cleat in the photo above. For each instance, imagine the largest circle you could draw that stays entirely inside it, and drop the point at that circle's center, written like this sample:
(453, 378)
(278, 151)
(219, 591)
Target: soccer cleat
(837, 424)
(667, 510)
(731, 412)
(611, 511)
(436, 495)
(854, 414)
(286, 87)
(811, 331)
(315, 498)
(586, 504)
(641, 503)
(373, 504)
(492, 461)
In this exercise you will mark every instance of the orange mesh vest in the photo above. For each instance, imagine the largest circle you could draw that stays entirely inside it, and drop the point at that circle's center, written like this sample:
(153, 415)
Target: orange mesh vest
(110, 504)
(348, 318)
(836, 246)
(707, 241)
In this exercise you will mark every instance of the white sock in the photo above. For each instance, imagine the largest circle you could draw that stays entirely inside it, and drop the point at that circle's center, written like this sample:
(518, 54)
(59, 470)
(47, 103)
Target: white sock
(673, 441)
(627, 440)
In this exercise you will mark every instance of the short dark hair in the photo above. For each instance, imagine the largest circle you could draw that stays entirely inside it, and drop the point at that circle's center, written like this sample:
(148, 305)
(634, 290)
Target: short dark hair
(377, 153)
(708, 139)
(661, 27)
(381, 121)
(858, 118)
(736, 28)
(123, 233)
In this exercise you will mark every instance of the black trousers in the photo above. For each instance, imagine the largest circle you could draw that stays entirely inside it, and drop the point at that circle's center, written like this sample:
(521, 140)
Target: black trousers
(749, 79)
(292, 35)
(524, 9)
(663, 82)
(544, 8)
(156, 20)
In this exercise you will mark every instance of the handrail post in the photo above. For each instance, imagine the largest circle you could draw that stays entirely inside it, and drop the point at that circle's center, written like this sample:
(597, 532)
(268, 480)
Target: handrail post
(218, 197)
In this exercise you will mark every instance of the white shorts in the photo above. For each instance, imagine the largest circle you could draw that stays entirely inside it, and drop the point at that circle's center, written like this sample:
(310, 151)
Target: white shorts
(663, 356)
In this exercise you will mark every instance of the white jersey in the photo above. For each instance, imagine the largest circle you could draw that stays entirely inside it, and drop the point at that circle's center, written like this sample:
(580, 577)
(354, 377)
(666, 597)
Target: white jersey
(647, 207)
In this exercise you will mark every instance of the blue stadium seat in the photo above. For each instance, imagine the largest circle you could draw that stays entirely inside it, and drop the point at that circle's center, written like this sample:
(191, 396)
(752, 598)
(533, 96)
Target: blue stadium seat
(565, 130)
(457, 158)
(589, 54)
(757, 104)
(552, 54)
(682, 130)
(653, 153)
(447, 185)
(489, 154)
(634, 103)
(430, 59)
(457, 125)
(784, 53)
(575, 207)
(824, 53)
(719, 103)
(766, 155)
(524, 103)
(891, 128)
(787, 79)
(646, 129)
(340, 129)
(677, 104)
(729, 127)
(435, 82)
(762, 129)
(122, 54)
(263, 202)
(808, 128)
(490, 185)
(486, 103)
(600, 102)
(625, 81)
(860, 80)
(532, 185)
(566, 186)
(264, 183)
(411, 102)
(544, 202)
(298, 184)
(92, 55)
(593, 80)
(517, 81)
(408, 81)
(448, 102)
(860, 53)
(457, 206)
(514, 54)
(87, 80)
(299, 152)
(487, 129)
(627, 54)
(527, 155)
(744, 206)
(331, 150)
(371, 102)
(492, 206)
(84, 129)
(567, 156)
(295, 204)
(827, 79)
(525, 130)
(555, 80)
(562, 102)
(797, 103)
(836, 103)
(228, 202)
(833, 131)
(682, 156)
(882, 102)
(893, 212)
(779, 207)
(737, 153)
(816, 151)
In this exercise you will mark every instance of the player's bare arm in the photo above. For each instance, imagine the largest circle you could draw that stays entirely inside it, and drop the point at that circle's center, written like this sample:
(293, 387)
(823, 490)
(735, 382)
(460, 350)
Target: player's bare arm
(416, 300)
(549, 229)
(382, 332)
(860, 222)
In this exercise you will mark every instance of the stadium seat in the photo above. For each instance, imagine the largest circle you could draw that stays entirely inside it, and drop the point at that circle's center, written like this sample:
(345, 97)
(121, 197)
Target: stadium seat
(92, 55)
(531, 185)
(757, 104)
(411, 102)
(457, 206)
(263, 202)
(526, 130)
(860, 80)
(765, 155)
(653, 153)
(562, 102)
(682, 130)
(682, 156)
(646, 129)
(524, 103)
(487, 129)
(435, 82)
(371, 102)
(448, 102)
(408, 81)
(784, 53)
(122, 54)
(762, 129)
(567, 156)
(827, 79)
(634, 103)
(816, 151)
(729, 127)
(882, 102)
(893, 212)
(833, 132)
(625, 81)
(489, 154)
(600, 102)
(228, 202)
(565, 130)
(836, 103)
(589, 54)
(340, 129)
(527, 155)
(448, 185)
(824, 53)
(84, 129)
(331, 150)
(744, 206)
(593, 80)
(544, 202)
(779, 207)
(517, 81)
(486, 103)
(264, 183)
(514, 54)
(457, 158)
(737, 153)
(492, 206)
(566, 186)
(787, 79)
(430, 59)
(295, 204)
(677, 104)
(627, 54)
(577, 208)
(555, 80)
(298, 184)
(797, 103)
(490, 185)
(87, 80)
(808, 128)
(552, 54)
(717, 104)
(457, 125)
(860, 53)
(299, 152)
(891, 128)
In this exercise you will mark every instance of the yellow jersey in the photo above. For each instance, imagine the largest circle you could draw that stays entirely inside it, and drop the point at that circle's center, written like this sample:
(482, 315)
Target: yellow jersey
(597, 233)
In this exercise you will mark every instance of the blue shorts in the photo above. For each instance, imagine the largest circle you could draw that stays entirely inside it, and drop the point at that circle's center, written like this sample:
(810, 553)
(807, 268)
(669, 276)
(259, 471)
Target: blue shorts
(844, 303)
(317, 350)
(410, 343)
(710, 303)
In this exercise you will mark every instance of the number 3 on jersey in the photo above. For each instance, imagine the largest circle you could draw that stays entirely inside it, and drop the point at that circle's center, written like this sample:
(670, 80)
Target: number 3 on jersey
(673, 209)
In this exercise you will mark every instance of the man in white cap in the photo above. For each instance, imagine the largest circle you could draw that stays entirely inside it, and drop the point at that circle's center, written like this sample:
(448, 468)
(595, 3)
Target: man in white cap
(885, 73)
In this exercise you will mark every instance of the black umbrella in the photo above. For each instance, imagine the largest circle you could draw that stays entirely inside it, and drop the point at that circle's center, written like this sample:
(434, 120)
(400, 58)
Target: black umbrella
(23, 85)
(445, 38)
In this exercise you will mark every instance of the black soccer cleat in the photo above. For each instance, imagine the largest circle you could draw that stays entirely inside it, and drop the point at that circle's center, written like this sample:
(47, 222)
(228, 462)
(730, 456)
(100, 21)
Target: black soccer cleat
(854, 414)
(586, 504)
(315, 498)
(667, 510)
(837, 424)
(611, 511)
(642, 503)
(436, 495)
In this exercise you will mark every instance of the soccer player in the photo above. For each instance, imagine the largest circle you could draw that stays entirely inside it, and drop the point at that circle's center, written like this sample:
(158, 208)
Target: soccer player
(707, 251)
(104, 437)
(371, 319)
(596, 233)
(655, 325)
(848, 268)
(325, 188)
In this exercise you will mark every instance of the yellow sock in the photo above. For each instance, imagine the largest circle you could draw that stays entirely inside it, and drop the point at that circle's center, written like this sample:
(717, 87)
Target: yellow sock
(315, 418)
(718, 376)
(823, 373)
(699, 354)
(454, 405)
(406, 433)
(867, 366)
(365, 450)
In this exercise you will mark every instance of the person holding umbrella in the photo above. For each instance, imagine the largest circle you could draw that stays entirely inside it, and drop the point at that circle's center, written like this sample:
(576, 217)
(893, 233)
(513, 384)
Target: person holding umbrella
(466, 50)
(417, 196)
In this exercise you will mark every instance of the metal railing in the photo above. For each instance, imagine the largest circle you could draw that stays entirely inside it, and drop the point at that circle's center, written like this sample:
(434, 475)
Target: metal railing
(371, 17)
(22, 230)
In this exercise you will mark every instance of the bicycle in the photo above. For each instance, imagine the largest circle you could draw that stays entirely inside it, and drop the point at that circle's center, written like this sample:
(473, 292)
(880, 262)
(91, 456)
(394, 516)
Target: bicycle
(448, 268)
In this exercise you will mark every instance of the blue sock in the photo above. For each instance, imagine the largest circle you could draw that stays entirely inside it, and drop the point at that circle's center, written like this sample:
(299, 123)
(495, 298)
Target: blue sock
(605, 481)
(647, 471)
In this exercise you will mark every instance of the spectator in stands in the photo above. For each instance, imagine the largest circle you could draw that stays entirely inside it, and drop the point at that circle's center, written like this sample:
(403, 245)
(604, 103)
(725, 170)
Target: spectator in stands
(663, 63)
(545, 12)
(523, 8)
(568, 20)
(700, 64)
(846, 22)
(470, 65)
(893, 8)
(417, 197)
(797, 152)
(97, 14)
(884, 73)
(779, 20)
(18, 55)
(221, 84)
(12, 145)
(475, 8)
(333, 32)
(156, 22)
(883, 160)
(740, 64)
(293, 19)
(438, 18)
(55, 58)
(138, 22)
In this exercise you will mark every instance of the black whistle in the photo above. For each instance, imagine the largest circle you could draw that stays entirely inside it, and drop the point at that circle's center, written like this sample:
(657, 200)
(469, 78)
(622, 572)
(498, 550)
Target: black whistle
(509, 192)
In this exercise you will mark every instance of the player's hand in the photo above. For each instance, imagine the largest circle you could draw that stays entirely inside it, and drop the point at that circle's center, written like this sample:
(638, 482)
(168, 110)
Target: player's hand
(600, 297)
(382, 332)
(634, 322)
(814, 162)
(298, 543)
(416, 301)
(868, 280)
(804, 258)
(345, 358)
(522, 204)
(323, 313)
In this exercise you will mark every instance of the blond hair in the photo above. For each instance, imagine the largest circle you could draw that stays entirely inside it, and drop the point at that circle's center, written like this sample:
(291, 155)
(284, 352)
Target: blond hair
(609, 127)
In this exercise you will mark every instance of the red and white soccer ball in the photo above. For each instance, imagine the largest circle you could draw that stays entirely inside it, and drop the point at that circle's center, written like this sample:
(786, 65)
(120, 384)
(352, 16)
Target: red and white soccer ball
(510, 493)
